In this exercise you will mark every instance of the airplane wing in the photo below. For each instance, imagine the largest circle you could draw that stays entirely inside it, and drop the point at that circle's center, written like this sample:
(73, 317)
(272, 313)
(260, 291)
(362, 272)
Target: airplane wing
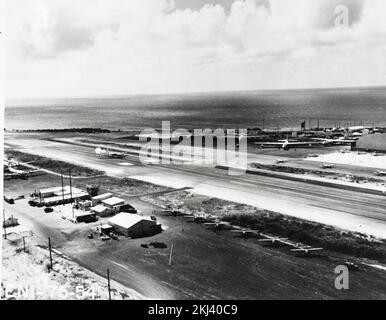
(302, 143)
(306, 249)
(269, 143)
(273, 239)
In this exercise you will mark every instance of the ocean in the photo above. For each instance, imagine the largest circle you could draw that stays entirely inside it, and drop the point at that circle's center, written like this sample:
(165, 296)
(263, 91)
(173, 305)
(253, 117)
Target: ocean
(286, 109)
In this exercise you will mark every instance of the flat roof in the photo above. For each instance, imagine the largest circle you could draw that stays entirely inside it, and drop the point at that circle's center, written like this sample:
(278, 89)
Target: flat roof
(83, 213)
(127, 220)
(102, 196)
(113, 201)
(60, 190)
(52, 190)
(66, 196)
(67, 190)
(99, 208)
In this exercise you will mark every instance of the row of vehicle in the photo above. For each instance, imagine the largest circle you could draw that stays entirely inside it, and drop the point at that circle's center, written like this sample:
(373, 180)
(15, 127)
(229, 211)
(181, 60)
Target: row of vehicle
(104, 237)
(34, 203)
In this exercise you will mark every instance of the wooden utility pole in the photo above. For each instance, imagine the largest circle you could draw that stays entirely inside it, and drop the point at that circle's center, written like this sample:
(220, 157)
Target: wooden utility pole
(24, 244)
(69, 171)
(170, 255)
(49, 247)
(108, 283)
(61, 176)
(4, 226)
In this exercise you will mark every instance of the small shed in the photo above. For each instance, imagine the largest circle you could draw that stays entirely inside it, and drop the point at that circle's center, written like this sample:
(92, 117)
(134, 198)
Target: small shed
(113, 202)
(98, 199)
(101, 210)
(106, 229)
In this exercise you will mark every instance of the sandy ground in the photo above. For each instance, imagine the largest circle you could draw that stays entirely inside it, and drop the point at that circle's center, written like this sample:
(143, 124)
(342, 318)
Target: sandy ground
(353, 158)
(25, 275)
(205, 265)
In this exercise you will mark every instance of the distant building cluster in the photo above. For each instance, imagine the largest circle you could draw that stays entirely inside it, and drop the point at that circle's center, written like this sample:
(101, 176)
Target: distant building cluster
(86, 208)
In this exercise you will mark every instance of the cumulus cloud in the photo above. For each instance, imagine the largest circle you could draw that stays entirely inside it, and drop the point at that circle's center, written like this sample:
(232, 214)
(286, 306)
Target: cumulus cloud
(121, 46)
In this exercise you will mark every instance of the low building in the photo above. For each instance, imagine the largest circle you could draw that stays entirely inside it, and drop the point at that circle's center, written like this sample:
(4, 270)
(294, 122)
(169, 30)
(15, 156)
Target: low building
(85, 205)
(107, 229)
(50, 192)
(112, 205)
(85, 216)
(134, 226)
(371, 142)
(101, 210)
(59, 191)
(10, 222)
(66, 198)
(127, 208)
(98, 199)
(113, 202)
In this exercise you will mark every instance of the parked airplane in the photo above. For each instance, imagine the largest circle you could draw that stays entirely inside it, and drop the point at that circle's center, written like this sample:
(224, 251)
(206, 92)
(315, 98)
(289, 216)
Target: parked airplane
(339, 141)
(106, 153)
(287, 145)
(12, 172)
(273, 239)
(245, 233)
(221, 225)
(306, 250)
(197, 219)
(327, 166)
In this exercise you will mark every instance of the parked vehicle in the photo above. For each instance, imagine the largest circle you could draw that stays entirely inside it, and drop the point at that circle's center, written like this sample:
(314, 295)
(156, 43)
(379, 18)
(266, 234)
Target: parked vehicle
(32, 203)
(90, 219)
(113, 236)
(351, 266)
(48, 210)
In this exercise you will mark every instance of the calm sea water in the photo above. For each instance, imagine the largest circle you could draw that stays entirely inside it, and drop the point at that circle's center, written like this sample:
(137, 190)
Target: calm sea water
(227, 110)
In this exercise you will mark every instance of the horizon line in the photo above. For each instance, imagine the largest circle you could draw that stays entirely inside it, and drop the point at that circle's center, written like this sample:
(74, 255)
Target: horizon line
(182, 93)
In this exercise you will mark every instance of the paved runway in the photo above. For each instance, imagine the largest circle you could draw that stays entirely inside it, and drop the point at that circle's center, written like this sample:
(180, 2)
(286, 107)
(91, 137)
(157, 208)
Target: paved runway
(207, 265)
(350, 210)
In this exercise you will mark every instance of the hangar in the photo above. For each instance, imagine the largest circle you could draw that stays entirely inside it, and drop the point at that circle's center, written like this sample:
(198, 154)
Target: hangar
(372, 142)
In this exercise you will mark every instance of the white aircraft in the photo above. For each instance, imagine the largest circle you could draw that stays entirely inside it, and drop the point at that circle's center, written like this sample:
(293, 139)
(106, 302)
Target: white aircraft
(327, 166)
(286, 144)
(338, 141)
(196, 219)
(106, 153)
(273, 239)
(13, 172)
(245, 233)
(221, 225)
(313, 155)
(306, 250)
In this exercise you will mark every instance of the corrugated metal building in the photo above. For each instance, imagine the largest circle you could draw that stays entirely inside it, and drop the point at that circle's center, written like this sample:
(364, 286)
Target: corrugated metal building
(134, 226)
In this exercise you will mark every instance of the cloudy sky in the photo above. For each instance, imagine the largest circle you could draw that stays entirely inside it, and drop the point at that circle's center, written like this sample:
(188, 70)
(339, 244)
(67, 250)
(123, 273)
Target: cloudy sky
(103, 47)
